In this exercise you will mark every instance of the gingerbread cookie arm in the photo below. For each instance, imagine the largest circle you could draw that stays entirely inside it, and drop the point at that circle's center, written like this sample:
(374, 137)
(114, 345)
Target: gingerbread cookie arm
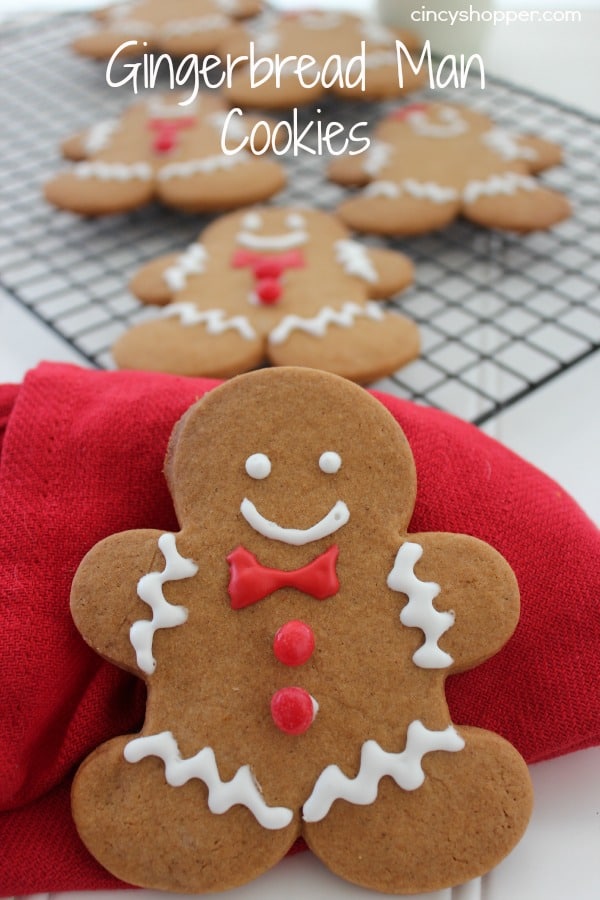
(463, 598)
(349, 171)
(105, 595)
(159, 280)
(374, 343)
(394, 271)
(400, 208)
(539, 153)
(211, 184)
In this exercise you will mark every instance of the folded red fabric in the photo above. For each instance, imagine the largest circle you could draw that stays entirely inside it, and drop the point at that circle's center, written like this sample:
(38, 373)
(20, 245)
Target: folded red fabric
(81, 458)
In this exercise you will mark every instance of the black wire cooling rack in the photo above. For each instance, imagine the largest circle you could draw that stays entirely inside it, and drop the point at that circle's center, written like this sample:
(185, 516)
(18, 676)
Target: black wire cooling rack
(499, 314)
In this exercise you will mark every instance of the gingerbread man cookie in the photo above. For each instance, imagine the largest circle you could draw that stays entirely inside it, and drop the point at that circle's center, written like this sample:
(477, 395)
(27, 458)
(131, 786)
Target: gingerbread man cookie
(178, 27)
(432, 162)
(295, 639)
(161, 150)
(279, 284)
(325, 36)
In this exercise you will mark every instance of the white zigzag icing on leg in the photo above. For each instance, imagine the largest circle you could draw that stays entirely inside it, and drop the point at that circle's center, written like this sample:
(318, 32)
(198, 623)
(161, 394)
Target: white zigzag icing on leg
(318, 325)
(420, 611)
(405, 768)
(222, 795)
(164, 614)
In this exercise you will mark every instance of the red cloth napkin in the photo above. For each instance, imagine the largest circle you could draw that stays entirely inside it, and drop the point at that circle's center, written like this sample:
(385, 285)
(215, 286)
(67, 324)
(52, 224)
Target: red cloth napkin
(81, 458)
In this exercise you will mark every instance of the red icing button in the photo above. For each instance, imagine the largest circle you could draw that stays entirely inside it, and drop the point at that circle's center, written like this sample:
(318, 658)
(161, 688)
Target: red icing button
(292, 710)
(294, 643)
(269, 291)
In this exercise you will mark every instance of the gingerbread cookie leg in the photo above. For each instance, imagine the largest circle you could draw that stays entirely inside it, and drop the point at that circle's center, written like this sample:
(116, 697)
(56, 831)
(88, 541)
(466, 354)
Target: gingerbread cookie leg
(513, 202)
(218, 182)
(190, 341)
(401, 208)
(99, 187)
(373, 343)
(474, 771)
(119, 804)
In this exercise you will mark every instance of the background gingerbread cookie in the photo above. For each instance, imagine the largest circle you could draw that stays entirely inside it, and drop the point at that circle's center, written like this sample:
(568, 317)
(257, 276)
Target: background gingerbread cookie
(282, 284)
(161, 150)
(178, 27)
(295, 639)
(323, 35)
(431, 162)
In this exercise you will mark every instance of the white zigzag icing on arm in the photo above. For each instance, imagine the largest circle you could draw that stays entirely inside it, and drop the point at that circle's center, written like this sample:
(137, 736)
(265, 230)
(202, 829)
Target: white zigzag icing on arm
(507, 145)
(107, 171)
(420, 190)
(355, 260)
(497, 185)
(164, 614)
(222, 795)
(213, 319)
(318, 325)
(191, 262)
(98, 136)
(420, 612)
(405, 768)
(206, 165)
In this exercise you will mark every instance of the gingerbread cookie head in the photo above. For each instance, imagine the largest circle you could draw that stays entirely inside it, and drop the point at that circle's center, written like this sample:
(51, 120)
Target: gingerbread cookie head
(178, 27)
(295, 638)
(160, 149)
(431, 162)
(328, 36)
(286, 285)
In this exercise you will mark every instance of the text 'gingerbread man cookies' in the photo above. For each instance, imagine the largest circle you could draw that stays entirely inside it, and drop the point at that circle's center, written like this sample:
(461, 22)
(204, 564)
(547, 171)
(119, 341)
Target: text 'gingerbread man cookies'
(177, 27)
(429, 163)
(295, 639)
(162, 150)
(286, 285)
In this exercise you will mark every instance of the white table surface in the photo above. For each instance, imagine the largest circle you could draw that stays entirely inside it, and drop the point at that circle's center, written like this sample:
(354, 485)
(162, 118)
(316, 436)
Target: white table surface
(557, 428)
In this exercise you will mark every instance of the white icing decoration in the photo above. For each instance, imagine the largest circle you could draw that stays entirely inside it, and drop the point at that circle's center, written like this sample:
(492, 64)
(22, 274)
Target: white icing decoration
(204, 166)
(375, 32)
(272, 241)
(98, 136)
(252, 221)
(158, 109)
(235, 127)
(191, 262)
(420, 190)
(258, 466)
(451, 123)
(266, 42)
(295, 220)
(420, 612)
(213, 319)
(319, 324)
(330, 462)
(242, 790)
(182, 27)
(405, 768)
(337, 517)
(496, 185)
(378, 156)
(379, 58)
(354, 258)
(507, 145)
(164, 614)
(228, 6)
(106, 171)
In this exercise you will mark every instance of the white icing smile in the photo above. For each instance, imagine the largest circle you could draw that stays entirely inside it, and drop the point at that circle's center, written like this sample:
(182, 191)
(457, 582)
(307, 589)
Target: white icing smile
(337, 517)
(295, 237)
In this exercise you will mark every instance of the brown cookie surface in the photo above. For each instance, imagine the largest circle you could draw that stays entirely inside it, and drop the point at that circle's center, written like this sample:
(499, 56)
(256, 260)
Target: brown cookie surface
(295, 638)
(160, 149)
(431, 162)
(281, 285)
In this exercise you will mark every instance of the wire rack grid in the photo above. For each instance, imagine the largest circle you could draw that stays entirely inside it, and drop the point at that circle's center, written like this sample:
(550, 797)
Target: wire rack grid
(499, 314)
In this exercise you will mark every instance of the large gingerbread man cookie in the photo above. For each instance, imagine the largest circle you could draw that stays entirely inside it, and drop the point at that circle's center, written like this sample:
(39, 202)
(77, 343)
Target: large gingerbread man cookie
(326, 36)
(177, 27)
(162, 150)
(431, 162)
(295, 638)
(283, 285)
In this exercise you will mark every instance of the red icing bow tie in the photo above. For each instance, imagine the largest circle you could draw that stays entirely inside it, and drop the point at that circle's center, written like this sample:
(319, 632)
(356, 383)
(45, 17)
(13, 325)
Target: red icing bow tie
(267, 270)
(400, 115)
(249, 581)
(166, 132)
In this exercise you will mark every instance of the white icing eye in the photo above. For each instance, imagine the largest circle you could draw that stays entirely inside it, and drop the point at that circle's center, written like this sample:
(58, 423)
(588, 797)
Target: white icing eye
(258, 466)
(330, 462)
(295, 220)
(252, 221)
